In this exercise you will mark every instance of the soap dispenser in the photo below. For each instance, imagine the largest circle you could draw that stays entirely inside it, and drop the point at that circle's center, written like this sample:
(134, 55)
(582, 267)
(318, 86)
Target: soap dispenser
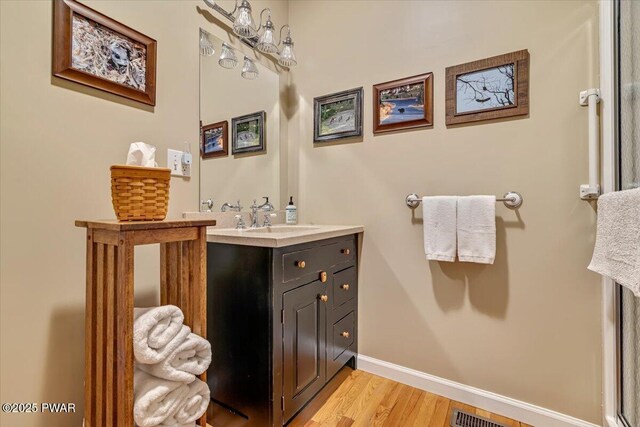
(291, 212)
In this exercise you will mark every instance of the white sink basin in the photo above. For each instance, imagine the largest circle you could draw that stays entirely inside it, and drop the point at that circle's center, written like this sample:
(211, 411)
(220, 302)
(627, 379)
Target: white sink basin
(281, 229)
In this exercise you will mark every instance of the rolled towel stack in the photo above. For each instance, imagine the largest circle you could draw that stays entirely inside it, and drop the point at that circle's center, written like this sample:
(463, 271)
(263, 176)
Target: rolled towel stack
(168, 359)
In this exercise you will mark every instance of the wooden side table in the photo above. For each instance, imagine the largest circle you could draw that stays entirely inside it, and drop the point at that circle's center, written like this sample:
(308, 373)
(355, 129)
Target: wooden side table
(108, 387)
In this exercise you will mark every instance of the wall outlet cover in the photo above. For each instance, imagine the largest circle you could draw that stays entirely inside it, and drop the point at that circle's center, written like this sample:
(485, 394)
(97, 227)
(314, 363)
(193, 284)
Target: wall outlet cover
(176, 164)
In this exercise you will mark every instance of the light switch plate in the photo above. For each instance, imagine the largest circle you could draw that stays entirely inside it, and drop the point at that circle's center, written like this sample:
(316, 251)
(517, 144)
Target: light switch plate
(175, 163)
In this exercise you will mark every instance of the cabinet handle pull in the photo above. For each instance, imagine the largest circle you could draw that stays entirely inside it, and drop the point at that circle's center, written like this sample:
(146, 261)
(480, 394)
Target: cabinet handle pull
(324, 298)
(345, 334)
(301, 264)
(323, 276)
(345, 286)
(346, 251)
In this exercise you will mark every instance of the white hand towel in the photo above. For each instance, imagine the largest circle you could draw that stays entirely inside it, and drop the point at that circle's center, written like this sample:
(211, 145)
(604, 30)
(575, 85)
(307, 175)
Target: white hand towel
(477, 229)
(157, 332)
(156, 399)
(194, 406)
(617, 250)
(439, 224)
(192, 357)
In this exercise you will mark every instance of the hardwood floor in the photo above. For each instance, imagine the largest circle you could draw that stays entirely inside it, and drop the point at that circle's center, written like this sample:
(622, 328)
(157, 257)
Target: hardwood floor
(365, 400)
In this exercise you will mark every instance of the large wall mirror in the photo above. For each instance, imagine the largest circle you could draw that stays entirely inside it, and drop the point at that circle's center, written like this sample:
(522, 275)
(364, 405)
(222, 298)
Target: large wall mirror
(240, 126)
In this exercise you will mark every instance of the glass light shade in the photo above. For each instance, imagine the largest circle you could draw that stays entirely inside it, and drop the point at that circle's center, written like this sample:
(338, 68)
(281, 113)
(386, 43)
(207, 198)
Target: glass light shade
(227, 57)
(206, 47)
(267, 44)
(244, 26)
(287, 57)
(249, 69)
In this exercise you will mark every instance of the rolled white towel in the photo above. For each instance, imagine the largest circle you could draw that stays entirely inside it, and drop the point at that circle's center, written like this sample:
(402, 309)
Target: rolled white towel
(177, 425)
(194, 406)
(156, 399)
(192, 357)
(157, 332)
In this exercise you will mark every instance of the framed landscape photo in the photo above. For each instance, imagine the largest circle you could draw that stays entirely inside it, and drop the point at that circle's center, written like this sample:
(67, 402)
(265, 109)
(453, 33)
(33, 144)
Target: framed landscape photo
(337, 116)
(248, 133)
(492, 88)
(403, 104)
(94, 50)
(215, 139)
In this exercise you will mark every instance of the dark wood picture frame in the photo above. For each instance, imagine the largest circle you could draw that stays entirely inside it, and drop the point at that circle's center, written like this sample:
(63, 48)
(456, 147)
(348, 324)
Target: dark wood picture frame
(520, 77)
(427, 119)
(225, 140)
(318, 102)
(63, 11)
(261, 116)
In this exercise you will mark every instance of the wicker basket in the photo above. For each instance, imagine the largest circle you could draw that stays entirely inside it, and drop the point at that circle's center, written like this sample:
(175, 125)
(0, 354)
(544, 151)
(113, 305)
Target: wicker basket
(139, 193)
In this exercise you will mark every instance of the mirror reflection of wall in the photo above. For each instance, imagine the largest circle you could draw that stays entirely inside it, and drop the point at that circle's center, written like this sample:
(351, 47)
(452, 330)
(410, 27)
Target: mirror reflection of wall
(225, 95)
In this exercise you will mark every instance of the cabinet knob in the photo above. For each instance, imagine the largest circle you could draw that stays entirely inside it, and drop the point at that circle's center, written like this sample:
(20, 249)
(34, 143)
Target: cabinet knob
(345, 286)
(323, 276)
(324, 298)
(346, 251)
(301, 264)
(345, 334)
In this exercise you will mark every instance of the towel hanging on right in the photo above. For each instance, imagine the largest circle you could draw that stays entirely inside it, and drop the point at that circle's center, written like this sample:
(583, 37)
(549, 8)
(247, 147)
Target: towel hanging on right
(617, 250)
(476, 229)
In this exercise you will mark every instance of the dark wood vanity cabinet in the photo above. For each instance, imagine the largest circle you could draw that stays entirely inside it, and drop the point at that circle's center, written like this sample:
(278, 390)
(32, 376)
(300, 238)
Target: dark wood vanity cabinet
(281, 322)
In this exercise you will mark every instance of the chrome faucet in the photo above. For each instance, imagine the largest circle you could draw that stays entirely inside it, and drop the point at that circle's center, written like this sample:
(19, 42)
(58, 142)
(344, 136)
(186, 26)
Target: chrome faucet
(231, 207)
(266, 206)
(207, 204)
(240, 224)
(267, 219)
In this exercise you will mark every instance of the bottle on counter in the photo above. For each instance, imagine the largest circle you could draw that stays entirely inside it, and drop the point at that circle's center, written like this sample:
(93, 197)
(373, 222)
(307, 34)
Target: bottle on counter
(291, 212)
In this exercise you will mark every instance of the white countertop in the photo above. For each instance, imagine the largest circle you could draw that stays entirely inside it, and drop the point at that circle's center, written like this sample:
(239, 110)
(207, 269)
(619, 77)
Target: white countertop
(280, 235)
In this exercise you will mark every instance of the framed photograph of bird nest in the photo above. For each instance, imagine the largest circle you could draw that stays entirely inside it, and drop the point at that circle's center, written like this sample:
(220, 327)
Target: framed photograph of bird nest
(492, 88)
(403, 104)
(94, 50)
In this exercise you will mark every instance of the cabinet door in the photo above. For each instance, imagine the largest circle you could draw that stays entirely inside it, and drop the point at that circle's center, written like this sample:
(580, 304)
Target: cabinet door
(304, 357)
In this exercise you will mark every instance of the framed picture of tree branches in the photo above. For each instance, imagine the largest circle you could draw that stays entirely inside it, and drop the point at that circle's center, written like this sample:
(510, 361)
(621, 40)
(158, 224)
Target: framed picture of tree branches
(492, 88)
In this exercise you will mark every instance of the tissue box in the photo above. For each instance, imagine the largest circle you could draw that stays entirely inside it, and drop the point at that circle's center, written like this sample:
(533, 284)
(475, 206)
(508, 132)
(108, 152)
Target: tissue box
(140, 193)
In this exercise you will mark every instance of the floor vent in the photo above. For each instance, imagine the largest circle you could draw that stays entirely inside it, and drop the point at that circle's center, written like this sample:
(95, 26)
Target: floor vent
(465, 419)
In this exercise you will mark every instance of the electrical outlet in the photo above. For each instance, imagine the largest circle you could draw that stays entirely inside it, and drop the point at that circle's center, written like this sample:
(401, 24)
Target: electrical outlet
(175, 162)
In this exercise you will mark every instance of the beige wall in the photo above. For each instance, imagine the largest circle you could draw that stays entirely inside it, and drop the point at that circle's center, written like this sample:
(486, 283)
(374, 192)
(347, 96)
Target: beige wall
(527, 327)
(57, 142)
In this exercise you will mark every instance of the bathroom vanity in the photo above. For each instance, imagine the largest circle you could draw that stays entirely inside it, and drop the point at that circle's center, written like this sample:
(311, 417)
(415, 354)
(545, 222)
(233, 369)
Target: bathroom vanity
(282, 309)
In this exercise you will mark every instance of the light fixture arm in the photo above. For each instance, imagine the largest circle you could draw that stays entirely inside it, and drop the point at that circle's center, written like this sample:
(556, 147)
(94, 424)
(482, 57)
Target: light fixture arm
(288, 33)
(215, 6)
(260, 26)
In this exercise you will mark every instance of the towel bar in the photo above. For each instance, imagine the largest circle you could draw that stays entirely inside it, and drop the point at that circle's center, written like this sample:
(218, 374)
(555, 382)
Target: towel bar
(511, 199)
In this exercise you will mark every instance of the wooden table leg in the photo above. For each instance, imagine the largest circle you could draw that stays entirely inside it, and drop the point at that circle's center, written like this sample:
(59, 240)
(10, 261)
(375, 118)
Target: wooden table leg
(124, 331)
(199, 294)
(89, 335)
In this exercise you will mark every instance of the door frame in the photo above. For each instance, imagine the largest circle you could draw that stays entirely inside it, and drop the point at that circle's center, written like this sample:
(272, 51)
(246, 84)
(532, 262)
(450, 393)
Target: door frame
(610, 316)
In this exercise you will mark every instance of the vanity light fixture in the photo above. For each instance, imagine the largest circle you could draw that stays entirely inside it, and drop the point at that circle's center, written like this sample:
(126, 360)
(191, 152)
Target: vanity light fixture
(243, 25)
(249, 69)
(227, 57)
(267, 41)
(260, 37)
(206, 47)
(287, 57)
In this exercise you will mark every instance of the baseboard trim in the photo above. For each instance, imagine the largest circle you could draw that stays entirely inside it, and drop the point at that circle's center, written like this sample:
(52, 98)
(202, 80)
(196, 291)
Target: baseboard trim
(492, 402)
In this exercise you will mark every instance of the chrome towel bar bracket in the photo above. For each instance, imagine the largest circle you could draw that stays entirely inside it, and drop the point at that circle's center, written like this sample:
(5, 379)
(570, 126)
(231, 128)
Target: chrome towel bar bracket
(511, 199)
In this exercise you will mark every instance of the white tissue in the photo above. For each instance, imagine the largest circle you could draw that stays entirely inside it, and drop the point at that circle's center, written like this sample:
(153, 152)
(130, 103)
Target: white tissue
(142, 154)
